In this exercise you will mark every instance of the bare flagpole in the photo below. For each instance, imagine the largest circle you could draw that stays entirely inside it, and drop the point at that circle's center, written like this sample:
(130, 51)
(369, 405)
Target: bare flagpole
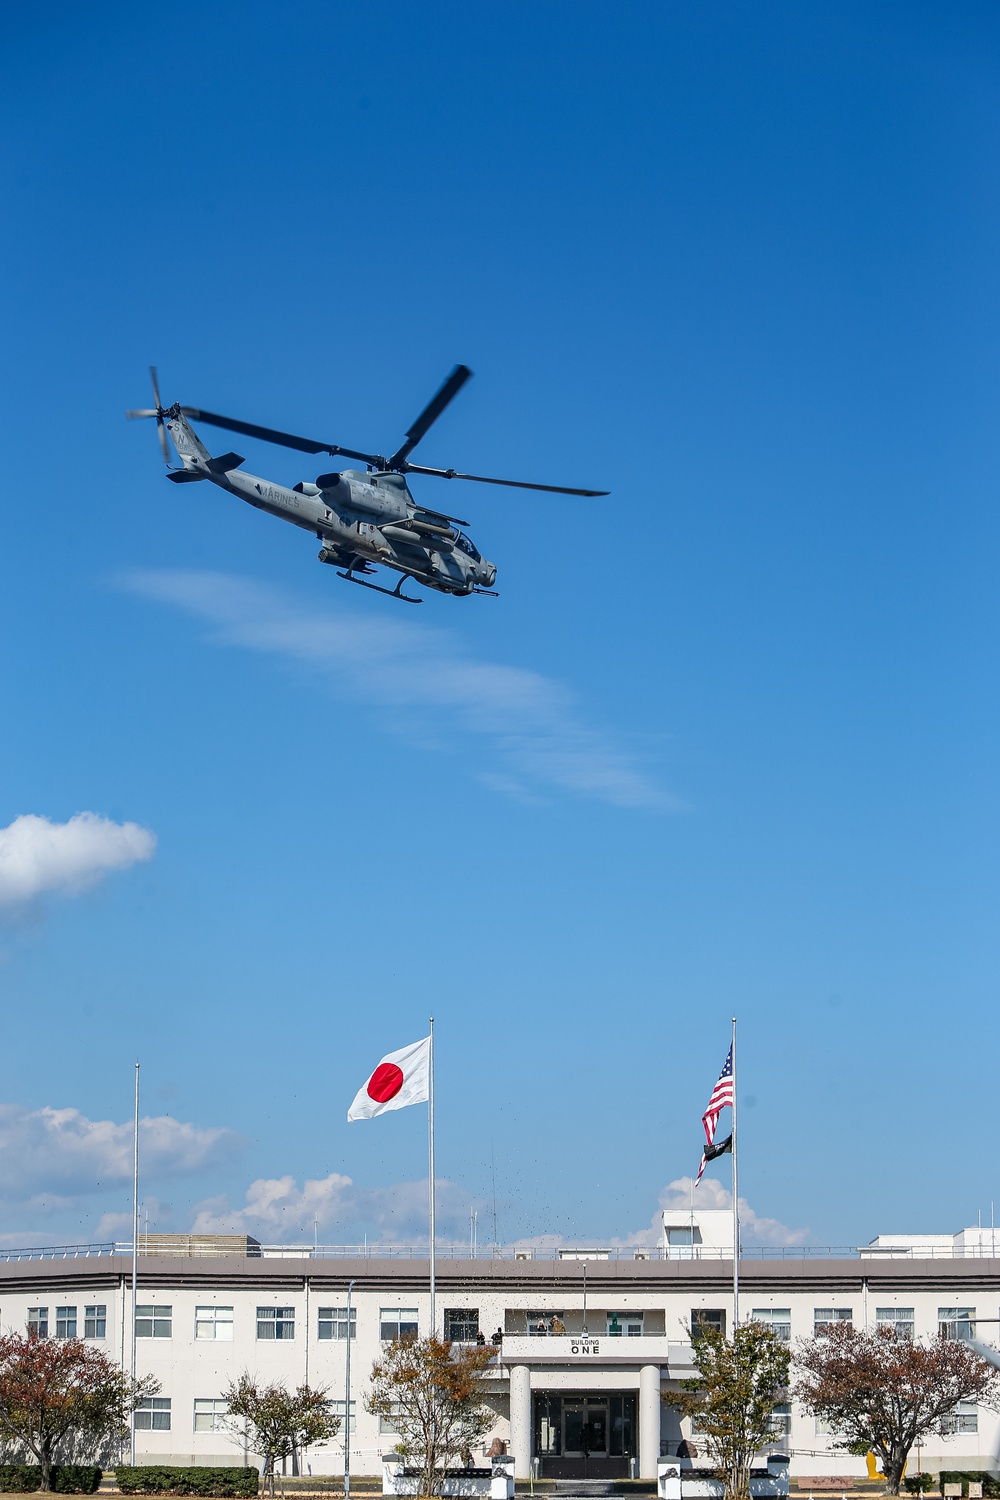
(736, 1204)
(347, 1401)
(135, 1236)
(430, 1173)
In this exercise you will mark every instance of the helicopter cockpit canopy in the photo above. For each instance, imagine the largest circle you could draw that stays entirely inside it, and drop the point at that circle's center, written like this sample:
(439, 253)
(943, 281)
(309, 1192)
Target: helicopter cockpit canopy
(464, 545)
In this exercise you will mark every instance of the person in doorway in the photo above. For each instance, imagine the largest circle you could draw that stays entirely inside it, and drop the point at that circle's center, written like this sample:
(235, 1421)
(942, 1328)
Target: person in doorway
(557, 1326)
(497, 1338)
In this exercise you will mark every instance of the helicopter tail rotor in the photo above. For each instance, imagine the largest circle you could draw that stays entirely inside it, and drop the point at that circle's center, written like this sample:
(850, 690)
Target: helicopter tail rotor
(159, 413)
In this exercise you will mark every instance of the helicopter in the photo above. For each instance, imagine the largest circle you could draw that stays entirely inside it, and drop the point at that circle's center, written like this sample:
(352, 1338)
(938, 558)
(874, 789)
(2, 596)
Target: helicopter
(363, 518)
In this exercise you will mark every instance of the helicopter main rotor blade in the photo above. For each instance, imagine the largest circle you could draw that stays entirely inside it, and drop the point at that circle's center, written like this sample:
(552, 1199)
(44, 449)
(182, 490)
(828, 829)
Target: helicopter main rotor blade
(156, 387)
(514, 484)
(459, 375)
(145, 412)
(273, 435)
(161, 429)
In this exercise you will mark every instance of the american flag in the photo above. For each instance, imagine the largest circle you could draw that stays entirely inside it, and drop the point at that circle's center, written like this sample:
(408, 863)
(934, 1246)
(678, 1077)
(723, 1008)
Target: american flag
(722, 1095)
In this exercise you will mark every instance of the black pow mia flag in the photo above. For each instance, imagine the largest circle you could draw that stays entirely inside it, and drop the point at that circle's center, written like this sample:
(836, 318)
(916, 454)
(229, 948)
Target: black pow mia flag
(719, 1149)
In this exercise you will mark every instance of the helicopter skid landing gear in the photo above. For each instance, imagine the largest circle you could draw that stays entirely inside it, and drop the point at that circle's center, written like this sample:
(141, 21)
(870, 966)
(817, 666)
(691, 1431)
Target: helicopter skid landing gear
(393, 593)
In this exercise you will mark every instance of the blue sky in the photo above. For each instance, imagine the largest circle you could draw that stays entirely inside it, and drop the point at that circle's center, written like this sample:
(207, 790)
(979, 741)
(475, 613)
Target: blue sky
(725, 743)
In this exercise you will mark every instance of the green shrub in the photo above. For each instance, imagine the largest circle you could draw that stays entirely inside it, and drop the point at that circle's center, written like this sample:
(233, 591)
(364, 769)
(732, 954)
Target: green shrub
(989, 1482)
(170, 1479)
(915, 1483)
(68, 1479)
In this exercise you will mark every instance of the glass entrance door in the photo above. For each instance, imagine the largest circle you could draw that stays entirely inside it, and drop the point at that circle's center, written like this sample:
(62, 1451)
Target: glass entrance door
(585, 1429)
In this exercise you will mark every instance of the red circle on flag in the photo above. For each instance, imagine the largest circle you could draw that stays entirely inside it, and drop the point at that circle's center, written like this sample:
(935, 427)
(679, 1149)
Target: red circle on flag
(385, 1083)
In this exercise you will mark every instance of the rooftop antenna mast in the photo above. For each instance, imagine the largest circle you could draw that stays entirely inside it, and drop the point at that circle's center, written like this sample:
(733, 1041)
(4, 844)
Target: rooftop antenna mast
(493, 1168)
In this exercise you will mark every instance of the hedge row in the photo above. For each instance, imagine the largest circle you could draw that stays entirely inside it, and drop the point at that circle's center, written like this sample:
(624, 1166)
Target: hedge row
(169, 1479)
(989, 1482)
(68, 1479)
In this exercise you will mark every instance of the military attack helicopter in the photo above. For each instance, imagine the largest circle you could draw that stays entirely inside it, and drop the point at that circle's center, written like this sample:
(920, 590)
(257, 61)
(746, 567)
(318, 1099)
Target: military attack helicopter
(362, 518)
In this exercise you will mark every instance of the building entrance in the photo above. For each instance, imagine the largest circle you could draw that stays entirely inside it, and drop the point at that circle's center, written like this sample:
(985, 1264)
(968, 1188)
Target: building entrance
(582, 1435)
(585, 1429)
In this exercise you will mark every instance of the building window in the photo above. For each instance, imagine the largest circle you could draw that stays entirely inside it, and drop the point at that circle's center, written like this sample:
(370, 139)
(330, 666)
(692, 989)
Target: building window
(95, 1321)
(898, 1319)
(338, 1408)
(778, 1319)
(276, 1322)
(391, 1422)
(628, 1324)
(683, 1234)
(781, 1419)
(397, 1323)
(705, 1318)
(461, 1324)
(540, 1323)
(154, 1321)
(965, 1418)
(214, 1323)
(825, 1317)
(38, 1321)
(333, 1322)
(65, 1322)
(957, 1323)
(825, 1429)
(209, 1414)
(153, 1414)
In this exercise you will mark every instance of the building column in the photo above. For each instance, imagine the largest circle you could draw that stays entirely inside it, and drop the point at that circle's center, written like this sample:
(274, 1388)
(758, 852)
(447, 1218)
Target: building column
(649, 1420)
(520, 1420)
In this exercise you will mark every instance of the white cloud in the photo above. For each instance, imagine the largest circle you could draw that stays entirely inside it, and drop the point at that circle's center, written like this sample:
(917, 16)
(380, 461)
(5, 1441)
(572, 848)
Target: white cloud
(424, 676)
(277, 1210)
(755, 1229)
(710, 1193)
(38, 856)
(49, 1158)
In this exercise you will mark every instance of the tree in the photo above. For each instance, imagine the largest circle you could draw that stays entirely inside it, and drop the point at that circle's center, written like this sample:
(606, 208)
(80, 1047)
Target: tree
(432, 1394)
(732, 1399)
(55, 1390)
(279, 1421)
(879, 1392)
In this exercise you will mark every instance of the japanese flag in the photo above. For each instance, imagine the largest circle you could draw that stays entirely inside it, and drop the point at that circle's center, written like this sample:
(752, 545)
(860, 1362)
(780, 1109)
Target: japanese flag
(401, 1078)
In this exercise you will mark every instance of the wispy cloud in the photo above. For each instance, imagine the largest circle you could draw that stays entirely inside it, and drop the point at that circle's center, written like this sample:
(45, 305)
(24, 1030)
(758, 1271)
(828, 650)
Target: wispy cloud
(424, 675)
(38, 857)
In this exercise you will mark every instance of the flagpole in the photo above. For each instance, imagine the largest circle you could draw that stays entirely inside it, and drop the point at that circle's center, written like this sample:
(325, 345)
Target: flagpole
(736, 1204)
(347, 1401)
(430, 1185)
(135, 1238)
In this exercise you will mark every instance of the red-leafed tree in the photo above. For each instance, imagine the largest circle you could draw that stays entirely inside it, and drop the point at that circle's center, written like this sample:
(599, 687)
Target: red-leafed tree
(53, 1391)
(879, 1392)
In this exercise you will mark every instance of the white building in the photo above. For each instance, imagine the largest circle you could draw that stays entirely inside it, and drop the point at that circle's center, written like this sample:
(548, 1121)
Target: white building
(593, 1338)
